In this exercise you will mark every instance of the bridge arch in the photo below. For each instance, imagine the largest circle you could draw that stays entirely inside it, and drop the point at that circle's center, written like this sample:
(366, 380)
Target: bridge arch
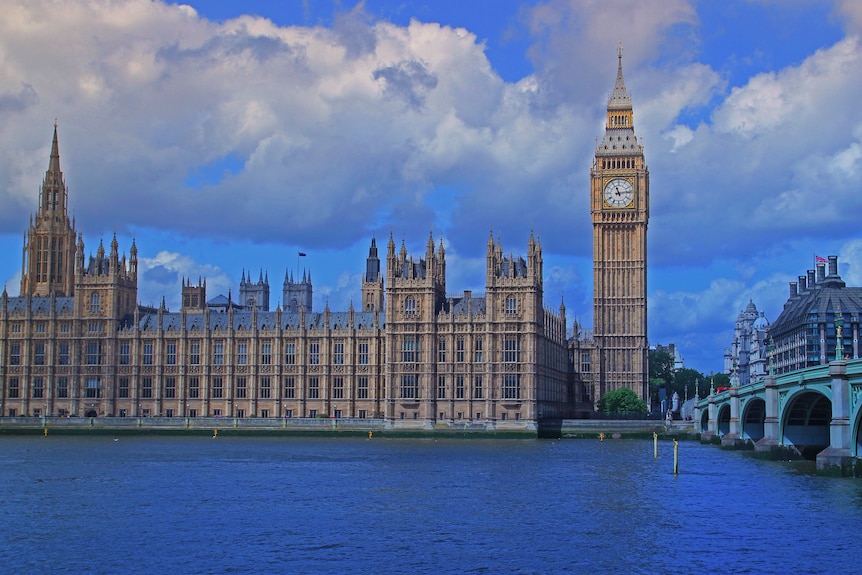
(722, 420)
(704, 421)
(753, 419)
(805, 422)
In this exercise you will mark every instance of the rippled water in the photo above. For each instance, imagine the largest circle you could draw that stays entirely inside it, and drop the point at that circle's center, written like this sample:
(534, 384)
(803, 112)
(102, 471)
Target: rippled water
(297, 505)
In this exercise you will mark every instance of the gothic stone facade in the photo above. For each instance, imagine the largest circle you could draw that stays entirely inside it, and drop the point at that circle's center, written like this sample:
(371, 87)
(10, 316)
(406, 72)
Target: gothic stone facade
(83, 346)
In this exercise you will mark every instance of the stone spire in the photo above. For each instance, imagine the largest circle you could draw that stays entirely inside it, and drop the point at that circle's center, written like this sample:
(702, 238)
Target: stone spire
(619, 99)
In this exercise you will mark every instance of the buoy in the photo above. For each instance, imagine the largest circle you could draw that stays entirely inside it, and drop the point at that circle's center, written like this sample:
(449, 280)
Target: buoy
(45, 432)
(215, 433)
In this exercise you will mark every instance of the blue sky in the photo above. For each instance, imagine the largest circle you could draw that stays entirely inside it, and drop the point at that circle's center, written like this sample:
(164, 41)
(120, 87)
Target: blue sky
(228, 136)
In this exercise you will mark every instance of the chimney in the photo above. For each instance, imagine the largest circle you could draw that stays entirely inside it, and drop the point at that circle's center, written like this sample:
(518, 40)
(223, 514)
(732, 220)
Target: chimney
(833, 266)
(793, 291)
(821, 272)
(811, 279)
(803, 285)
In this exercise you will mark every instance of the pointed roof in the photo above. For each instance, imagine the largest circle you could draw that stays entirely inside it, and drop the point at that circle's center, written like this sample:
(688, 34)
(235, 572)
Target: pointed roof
(54, 163)
(619, 98)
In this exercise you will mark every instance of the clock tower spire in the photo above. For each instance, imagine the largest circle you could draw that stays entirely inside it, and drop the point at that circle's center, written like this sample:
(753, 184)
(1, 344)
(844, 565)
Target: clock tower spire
(619, 199)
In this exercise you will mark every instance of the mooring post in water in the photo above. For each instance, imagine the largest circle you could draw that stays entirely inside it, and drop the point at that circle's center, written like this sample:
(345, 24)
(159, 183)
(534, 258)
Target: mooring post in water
(370, 433)
(215, 433)
(675, 457)
(45, 432)
(655, 445)
(601, 437)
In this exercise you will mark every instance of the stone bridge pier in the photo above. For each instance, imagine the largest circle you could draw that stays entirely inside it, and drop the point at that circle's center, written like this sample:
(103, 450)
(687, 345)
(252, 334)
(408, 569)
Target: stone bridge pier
(792, 411)
(837, 458)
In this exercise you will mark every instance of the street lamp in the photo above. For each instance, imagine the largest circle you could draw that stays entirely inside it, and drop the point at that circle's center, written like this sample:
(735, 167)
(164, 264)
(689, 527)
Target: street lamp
(771, 352)
(839, 335)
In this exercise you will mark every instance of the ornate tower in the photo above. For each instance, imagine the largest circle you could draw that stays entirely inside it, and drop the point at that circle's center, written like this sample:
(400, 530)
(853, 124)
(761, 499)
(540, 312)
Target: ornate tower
(514, 285)
(297, 295)
(107, 286)
(372, 281)
(415, 292)
(253, 294)
(48, 259)
(194, 296)
(619, 193)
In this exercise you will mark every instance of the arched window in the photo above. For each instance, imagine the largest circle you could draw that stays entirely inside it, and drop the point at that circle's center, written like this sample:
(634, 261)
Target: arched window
(410, 306)
(511, 305)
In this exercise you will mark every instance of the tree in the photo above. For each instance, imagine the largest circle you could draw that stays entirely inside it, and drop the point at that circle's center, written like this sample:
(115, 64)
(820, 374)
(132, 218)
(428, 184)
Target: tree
(660, 373)
(660, 366)
(718, 380)
(685, 379)
(622, 400)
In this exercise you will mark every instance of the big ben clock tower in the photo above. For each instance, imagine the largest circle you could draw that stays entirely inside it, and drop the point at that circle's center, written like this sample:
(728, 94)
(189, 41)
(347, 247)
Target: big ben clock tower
(619, 194)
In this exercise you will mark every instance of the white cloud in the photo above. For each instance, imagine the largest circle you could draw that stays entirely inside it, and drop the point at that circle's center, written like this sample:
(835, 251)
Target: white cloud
(755, 177)
(162, 275)
(324, 135)
(12, 285)
(331, 128)
(851, 11)
(850, 262)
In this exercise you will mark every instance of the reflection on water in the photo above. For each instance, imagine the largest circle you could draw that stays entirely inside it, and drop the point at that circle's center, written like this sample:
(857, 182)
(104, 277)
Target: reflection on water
(272, 505)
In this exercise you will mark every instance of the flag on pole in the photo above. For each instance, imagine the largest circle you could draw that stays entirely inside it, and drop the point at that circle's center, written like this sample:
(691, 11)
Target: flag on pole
(302, 255)
(819, 260)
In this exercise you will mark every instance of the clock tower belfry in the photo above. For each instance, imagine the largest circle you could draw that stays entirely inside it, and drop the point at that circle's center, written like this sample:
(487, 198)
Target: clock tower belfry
(619, 200)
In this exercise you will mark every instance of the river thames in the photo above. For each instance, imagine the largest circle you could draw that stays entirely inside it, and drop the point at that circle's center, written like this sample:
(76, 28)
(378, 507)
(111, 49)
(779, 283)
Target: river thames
(319, 505)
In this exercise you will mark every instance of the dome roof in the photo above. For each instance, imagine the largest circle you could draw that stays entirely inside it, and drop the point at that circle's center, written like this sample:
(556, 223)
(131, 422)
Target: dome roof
(749, 314)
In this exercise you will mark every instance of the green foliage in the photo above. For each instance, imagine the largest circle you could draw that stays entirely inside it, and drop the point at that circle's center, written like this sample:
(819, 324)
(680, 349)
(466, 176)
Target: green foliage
(685, 379)
(622, 400)
(660, 367)
(718, 380)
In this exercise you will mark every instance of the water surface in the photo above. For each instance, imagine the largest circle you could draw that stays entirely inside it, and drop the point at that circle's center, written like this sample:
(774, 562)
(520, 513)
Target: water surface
(319, 505)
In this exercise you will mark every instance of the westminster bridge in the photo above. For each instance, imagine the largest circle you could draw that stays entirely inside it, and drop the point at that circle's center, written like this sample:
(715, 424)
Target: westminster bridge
(814, 412)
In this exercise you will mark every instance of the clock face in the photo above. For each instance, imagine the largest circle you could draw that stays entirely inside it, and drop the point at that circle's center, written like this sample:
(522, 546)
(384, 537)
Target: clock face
(618, 193)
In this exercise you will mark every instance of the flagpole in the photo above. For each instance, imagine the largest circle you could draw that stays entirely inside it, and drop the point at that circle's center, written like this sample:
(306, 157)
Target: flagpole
(299, 254)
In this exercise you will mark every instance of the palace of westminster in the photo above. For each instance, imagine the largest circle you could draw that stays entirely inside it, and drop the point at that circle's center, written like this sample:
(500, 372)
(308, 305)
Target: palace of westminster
(76, 342)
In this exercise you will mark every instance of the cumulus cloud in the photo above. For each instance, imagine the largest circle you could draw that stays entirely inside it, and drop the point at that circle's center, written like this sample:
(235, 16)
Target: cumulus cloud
(762, 162)
(162, 276)
(325, 131)
(850, 262)
(851, 11)
(308, 135)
